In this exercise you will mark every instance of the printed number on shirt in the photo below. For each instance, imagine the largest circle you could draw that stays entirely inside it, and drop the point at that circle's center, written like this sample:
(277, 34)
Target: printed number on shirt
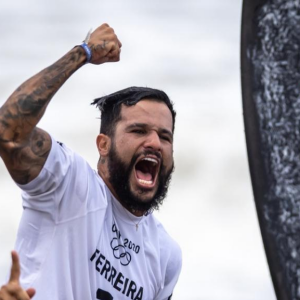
(103, 295)
(135, 248)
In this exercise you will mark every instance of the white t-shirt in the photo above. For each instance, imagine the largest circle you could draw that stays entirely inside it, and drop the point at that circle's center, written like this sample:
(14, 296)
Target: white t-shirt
(76, 241)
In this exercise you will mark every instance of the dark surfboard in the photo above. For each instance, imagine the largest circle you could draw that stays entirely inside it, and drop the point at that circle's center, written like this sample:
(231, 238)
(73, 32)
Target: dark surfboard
(270, 61)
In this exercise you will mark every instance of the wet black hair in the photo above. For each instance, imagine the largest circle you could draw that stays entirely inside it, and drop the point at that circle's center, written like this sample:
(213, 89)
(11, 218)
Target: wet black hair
(110, 105)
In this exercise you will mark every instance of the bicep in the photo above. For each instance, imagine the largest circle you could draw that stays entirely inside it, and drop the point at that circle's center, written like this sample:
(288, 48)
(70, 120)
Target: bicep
(25, 160)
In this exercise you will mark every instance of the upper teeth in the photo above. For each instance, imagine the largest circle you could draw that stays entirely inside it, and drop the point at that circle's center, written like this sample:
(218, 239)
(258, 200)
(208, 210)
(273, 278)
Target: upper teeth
(151, 159)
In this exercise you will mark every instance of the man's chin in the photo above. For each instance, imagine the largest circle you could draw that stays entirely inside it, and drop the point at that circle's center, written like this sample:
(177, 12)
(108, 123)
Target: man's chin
(144, 195)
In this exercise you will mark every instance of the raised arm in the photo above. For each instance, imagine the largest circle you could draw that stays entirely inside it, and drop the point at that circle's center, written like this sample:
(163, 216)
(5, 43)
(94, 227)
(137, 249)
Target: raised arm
(24, 148)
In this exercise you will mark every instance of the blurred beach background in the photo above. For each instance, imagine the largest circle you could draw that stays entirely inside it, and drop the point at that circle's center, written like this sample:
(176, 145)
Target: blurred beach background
(191, 50)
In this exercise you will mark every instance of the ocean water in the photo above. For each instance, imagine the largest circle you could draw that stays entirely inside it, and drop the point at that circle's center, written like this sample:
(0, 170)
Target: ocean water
(191, 50)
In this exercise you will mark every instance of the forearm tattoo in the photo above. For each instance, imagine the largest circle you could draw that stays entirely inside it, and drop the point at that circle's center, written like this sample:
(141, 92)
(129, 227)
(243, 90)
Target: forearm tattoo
(23, 147)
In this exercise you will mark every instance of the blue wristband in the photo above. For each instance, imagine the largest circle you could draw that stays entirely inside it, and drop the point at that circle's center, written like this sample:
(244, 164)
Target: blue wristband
(87, 51)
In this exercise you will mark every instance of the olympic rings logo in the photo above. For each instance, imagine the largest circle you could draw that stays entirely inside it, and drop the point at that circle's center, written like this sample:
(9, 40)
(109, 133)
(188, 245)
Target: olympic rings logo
(120, 252)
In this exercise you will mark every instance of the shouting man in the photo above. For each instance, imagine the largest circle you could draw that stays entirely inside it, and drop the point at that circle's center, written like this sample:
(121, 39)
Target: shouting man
(87, 234)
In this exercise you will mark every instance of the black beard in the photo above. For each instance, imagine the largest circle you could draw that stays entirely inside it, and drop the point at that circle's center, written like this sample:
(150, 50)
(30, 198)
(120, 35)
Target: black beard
(119, 174)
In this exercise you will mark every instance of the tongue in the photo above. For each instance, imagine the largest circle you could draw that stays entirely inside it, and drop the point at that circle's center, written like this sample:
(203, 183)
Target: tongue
(143, 176)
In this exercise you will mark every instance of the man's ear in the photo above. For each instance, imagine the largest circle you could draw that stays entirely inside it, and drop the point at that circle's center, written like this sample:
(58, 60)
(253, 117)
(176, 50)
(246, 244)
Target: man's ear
(103, 144)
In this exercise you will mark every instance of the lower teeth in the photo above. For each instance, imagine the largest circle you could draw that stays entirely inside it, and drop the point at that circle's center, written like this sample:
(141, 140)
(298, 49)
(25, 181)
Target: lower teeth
(145, 181)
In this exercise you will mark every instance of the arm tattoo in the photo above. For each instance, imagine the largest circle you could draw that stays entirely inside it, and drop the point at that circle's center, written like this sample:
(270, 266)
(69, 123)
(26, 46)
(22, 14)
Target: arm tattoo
(99, 47)
(23, 147)
(26, 160)
(103, 46)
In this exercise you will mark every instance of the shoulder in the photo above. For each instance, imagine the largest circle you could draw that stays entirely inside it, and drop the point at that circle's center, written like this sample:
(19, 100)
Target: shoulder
(65, 159)
(169, 248)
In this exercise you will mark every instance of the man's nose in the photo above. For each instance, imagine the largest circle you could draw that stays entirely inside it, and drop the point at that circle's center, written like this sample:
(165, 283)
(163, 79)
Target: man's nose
(153, 141)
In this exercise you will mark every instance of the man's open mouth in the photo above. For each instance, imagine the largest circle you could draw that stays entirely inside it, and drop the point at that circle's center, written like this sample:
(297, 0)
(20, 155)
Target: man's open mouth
(146, 171)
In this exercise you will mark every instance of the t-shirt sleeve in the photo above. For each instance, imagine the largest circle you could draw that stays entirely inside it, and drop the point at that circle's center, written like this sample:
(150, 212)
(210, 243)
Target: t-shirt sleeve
(62, 186)
(173, 270)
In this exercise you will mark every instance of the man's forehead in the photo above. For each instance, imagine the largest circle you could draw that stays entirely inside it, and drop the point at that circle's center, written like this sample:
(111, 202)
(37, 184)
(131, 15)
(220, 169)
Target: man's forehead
(146, 105)
(147, 110)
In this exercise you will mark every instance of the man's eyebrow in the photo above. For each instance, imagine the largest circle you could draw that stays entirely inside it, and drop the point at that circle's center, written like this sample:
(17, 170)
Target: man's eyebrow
(144, 125)
(134, 125)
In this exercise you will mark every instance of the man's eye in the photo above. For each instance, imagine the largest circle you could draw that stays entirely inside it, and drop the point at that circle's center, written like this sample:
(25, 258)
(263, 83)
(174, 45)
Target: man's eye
(166, 138)
(138, 131)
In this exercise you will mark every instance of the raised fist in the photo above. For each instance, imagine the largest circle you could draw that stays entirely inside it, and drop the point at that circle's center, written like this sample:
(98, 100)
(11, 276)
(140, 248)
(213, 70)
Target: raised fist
(105, 45)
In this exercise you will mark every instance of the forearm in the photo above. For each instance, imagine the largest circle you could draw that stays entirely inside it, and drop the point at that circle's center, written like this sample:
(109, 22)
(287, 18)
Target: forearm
(26, 106)
(24, 148)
